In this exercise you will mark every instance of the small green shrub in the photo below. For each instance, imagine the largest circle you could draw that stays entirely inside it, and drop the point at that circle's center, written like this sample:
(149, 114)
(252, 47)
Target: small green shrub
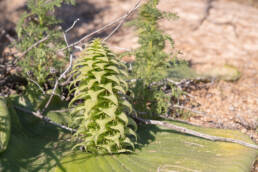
(99, 104)
(33, 26)
(153, 63)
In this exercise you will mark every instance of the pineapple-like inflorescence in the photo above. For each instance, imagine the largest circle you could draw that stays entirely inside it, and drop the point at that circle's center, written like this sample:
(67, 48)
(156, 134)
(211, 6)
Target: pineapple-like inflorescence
(99, 104)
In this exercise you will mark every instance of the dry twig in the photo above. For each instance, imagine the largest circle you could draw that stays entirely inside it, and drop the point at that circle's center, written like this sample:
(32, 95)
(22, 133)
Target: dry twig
(137, 5)
(66, 70)
(189, 109)
(179, 120)
(71, 27)
(44, 118)
(119, 20)
(57, 82)
(37, 84)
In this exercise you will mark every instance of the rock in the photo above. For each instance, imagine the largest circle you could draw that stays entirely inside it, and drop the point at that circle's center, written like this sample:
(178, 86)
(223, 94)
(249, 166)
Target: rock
(243, 130)
(226, 73)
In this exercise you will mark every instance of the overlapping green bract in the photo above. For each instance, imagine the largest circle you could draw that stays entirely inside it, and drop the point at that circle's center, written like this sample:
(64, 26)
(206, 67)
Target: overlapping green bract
(99, 106)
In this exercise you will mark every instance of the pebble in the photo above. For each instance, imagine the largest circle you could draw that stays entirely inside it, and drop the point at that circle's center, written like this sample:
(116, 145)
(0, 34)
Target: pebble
(243, 130)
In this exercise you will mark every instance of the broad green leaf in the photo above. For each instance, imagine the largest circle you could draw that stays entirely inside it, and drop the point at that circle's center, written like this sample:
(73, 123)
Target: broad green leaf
(46, 148)
(161, 149)
(60, 118)
(34, 147)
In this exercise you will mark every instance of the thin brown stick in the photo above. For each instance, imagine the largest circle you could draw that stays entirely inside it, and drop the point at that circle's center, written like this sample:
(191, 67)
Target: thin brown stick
(118, 20)
(44, 118)
(179, 120)
(195, 133)
(91, 34)
(9, 37)
(37, 84)
(63, 74)
(189, 109)
(71, 27)
(44, 39)
(57, 82)
(67, 82)
(137, 5)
